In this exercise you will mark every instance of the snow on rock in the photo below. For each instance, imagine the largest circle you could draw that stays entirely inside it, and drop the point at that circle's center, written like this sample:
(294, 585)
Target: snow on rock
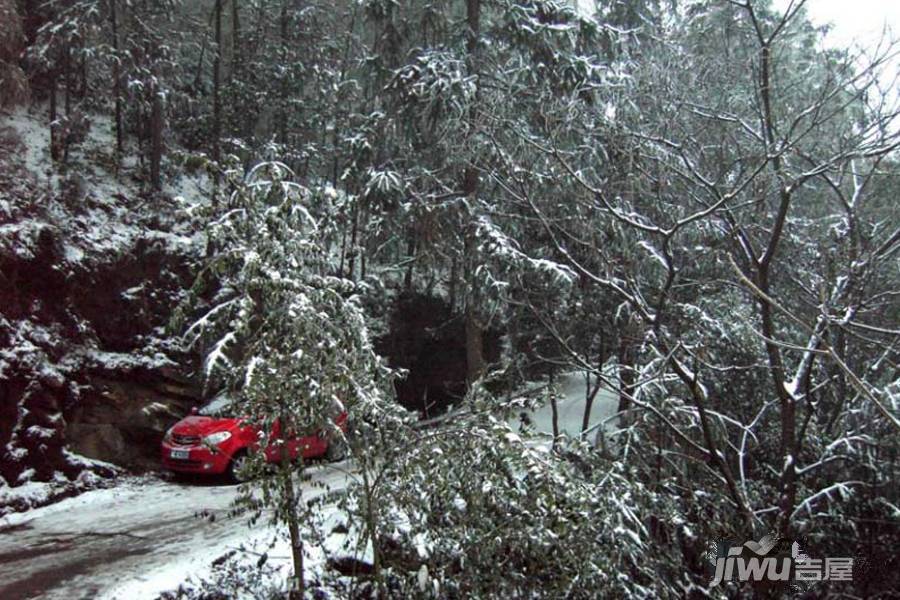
(30, 495)
(98, 264)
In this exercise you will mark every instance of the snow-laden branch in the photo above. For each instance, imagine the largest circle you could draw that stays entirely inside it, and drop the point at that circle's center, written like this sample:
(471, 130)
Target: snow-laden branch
(843, 488)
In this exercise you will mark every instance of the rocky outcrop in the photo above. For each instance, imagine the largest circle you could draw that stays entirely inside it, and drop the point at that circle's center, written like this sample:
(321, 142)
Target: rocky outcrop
(88, 282)
(84, 370)
(123, 415)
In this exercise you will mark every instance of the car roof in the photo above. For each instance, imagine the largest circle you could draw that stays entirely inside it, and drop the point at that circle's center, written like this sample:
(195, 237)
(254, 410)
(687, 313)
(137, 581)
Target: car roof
(220, 403)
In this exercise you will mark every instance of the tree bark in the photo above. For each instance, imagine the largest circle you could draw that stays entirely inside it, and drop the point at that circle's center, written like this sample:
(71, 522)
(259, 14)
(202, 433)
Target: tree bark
(474, 345)
(474, 333)
(454, 276)
(410, 257)
(54, 127)
(67, 80)
(235, 38)
(156, 138)
(217, 75)
(117, 83)
(290, 500)
(282, 104)
(554, 412)
(589, 394)
(83, 72)
(625, 360)
(354, 231)
(372, 526)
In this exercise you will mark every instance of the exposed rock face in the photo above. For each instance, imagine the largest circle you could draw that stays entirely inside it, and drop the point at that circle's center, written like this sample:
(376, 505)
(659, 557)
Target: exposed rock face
(88, 282)
(85, 371)
(122, 420)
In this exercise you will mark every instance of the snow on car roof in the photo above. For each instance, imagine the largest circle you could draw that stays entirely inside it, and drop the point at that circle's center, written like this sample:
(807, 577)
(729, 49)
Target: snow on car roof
(220, 403)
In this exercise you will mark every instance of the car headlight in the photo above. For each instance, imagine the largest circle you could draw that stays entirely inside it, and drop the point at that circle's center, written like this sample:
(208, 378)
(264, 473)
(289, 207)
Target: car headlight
(214, 439)
(168, 437)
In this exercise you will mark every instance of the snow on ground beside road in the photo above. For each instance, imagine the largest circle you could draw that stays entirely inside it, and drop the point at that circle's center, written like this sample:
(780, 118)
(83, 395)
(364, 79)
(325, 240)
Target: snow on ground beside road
(127, 487)
(29, 494)
(240, 574)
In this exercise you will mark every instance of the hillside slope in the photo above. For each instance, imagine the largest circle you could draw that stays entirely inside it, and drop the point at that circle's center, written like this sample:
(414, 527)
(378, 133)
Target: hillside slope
(91, 267)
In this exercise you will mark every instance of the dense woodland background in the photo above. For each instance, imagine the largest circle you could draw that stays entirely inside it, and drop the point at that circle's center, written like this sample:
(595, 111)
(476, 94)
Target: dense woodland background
(694, 203)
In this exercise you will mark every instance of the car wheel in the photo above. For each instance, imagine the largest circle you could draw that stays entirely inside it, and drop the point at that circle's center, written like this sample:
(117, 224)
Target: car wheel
(337, 449)
(237, 468)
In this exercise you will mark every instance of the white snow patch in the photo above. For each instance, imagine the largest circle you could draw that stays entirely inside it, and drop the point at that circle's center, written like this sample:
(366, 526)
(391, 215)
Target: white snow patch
(570, 406)
(35, 135)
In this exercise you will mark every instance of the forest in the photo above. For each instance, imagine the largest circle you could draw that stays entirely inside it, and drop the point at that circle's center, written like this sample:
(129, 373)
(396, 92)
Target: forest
(430, 215)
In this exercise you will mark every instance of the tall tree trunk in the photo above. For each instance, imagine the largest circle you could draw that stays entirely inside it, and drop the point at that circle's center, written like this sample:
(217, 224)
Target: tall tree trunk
(293, 521)
(67, 80)
(625, 360)
(372, 526)
(354, 231)
(338, 105)
(473, 20)
(67, 99)
(54, 126)
(411, 258)
(362, 252)
(454, 276)
(474, 332)
(554, 410)
(235, 38)
(474, 344)
(117, 82)
(343, 249)
(217, 76)
(786, 399)
(156, 137)
(83, 72)
(590, 392)
(282, 104)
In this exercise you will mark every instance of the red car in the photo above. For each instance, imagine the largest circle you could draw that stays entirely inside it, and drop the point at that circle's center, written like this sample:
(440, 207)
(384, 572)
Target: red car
(207, 441)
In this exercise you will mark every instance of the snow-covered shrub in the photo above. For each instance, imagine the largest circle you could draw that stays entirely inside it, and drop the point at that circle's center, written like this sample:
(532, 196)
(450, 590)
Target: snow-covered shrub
(473, 510)
(231, 577)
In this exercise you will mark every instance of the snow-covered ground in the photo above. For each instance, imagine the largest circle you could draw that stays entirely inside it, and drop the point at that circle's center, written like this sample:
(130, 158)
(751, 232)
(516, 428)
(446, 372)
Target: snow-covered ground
(133, 541)
(111, 215)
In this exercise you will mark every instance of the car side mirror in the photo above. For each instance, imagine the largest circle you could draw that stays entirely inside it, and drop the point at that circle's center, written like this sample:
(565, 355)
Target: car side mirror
(195, 410)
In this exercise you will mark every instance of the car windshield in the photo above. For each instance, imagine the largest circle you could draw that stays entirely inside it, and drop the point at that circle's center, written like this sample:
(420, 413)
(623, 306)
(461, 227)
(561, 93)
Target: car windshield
(220, 406)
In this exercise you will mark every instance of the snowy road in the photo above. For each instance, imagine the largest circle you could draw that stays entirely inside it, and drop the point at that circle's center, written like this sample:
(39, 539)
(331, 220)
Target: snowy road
(131, 541)
(144, 536)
